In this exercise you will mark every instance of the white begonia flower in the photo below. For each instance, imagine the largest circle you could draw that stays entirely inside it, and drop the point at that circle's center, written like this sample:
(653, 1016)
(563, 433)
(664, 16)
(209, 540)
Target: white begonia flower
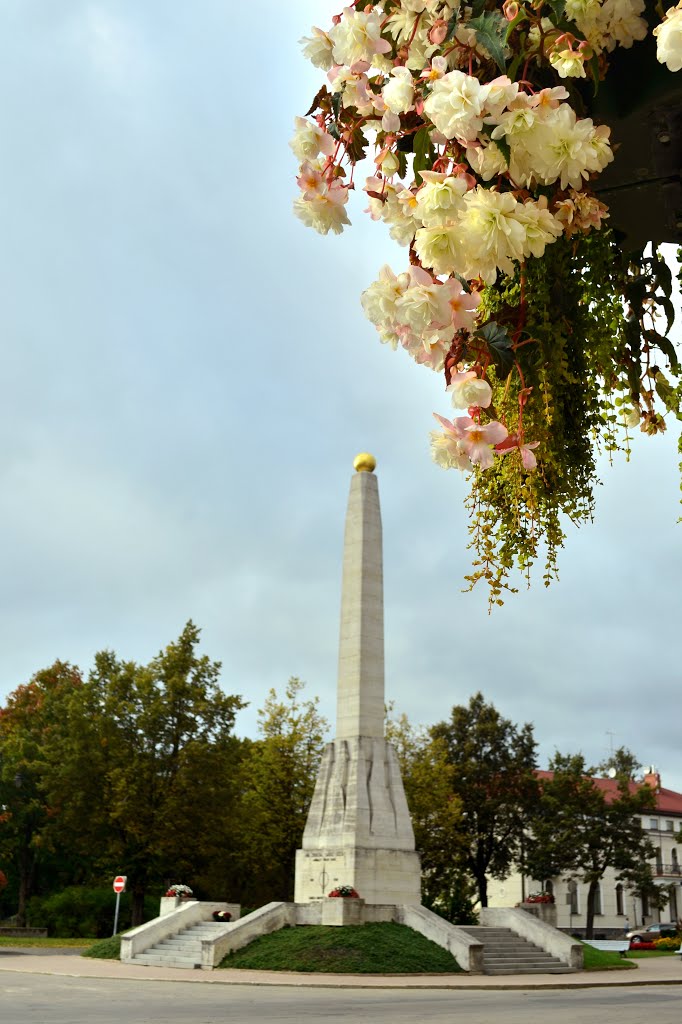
(321, 214)
(469, 389)
(540, 225)
(379, 303)
(309, 140)
(398, 93)
(568, 63)
(487, 160)
(625, 26)
(669, 39)
(568, 149)
(318, 49)
(421, 307)
(441, 248)
(494, 234)
(499, 94)
(455, 106)
(440, 198)
(357, 37)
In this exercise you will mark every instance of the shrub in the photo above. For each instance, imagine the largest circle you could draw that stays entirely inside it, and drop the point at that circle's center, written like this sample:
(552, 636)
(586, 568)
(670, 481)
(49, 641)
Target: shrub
(82, 912)
(668, 942)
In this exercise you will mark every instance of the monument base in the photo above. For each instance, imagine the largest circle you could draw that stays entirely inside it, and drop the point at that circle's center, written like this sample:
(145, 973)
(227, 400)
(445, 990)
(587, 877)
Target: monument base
(378, 876)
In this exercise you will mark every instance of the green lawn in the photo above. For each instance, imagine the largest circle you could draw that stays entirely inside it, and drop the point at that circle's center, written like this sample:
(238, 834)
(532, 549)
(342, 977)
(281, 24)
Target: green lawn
(364, 949)
(600, 960)
(7, 940)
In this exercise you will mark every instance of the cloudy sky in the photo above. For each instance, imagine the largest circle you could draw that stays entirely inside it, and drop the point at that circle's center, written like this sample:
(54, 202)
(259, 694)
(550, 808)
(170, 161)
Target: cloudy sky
(187, 376)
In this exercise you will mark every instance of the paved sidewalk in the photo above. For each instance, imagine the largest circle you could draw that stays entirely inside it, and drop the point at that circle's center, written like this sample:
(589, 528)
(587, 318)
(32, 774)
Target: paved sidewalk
(654, 971)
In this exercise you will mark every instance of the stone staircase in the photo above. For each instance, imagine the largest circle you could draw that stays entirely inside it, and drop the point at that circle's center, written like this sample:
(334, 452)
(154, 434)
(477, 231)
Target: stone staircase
(505, 952)
(181, 950)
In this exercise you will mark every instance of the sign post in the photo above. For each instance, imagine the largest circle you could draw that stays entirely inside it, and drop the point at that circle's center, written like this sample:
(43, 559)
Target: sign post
(119, 887)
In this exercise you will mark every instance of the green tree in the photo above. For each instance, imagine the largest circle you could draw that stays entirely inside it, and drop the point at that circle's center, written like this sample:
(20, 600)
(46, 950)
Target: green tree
(581, 828)
(493, 776)
(436, 812)
(147, 762)
(30, 723)
(278, 779)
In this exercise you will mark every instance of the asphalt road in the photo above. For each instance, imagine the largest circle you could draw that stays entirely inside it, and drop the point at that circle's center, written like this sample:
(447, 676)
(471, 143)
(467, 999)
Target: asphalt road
(41, 999)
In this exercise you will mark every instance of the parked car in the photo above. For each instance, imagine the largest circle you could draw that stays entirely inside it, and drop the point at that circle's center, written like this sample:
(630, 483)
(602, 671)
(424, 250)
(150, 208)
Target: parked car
(651, 932)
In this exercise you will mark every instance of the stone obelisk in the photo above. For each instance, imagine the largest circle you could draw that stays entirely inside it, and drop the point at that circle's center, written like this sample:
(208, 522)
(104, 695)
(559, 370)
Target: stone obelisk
(358, 830)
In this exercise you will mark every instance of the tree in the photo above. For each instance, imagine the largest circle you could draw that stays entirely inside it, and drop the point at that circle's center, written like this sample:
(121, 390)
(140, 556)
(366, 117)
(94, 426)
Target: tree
(436, 814)
(493, 776)
(278, 779)
(583, 827)
(30, 722)
(145, 766)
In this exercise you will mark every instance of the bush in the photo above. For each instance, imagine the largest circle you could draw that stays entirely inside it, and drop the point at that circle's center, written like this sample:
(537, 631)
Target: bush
(669, 942)
(82, 912)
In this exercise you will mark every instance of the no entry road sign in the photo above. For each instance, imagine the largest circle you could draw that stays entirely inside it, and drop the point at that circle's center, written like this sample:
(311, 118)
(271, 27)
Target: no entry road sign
(120, 883)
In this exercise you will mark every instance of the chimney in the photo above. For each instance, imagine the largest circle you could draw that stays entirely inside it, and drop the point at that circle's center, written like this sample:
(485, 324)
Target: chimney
(652, 778)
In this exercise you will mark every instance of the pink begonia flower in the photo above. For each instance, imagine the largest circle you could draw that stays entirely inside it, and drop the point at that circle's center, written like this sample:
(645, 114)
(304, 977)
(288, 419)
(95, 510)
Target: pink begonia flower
(311, 181)
(479, 440)
(513, 443)
(468, 390)
(463, 304)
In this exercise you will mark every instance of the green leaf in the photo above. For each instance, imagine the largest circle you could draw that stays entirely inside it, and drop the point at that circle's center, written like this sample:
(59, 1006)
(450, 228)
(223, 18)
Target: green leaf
(666, 347)
(490, 30)
(499, 345)
(667, 394)
(558, 10)
(669, 310)
(424, 153)
(477, 8)
(452, 26)
(336, 105)
(664, 277)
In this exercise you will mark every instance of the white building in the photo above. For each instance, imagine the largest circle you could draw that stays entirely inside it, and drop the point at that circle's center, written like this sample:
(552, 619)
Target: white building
(617, 908)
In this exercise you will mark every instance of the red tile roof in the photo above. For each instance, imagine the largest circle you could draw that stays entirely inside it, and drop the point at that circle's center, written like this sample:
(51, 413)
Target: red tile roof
(667, 800)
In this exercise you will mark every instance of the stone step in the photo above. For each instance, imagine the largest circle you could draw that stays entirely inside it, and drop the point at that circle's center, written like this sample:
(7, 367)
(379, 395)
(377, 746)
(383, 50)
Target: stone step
(149, 959)
(540, 969)
(517, 957)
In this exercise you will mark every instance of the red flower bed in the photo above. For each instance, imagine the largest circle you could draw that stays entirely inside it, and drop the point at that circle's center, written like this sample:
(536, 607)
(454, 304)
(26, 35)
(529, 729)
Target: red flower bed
(642, 945)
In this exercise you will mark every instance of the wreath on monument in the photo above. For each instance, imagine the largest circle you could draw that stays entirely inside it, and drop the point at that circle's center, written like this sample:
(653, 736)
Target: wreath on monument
(489, 128)
(345, 891)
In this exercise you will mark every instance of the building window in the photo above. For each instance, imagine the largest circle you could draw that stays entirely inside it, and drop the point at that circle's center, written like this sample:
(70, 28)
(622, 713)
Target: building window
(653, 823)
(620, 906)
(659, 863)
(573, 900)
(670, 826)
(676, 866)
(549, 886)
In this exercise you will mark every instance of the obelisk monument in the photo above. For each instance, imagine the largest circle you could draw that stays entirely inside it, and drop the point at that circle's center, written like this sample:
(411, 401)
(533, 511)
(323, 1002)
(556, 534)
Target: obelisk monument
(358, 831)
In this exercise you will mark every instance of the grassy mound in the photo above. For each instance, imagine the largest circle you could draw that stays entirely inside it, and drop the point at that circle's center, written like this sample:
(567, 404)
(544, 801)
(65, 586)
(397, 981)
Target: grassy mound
(362, 949)
(105, 949)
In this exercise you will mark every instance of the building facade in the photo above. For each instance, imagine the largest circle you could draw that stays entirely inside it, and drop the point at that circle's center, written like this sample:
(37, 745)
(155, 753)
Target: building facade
(618, 909)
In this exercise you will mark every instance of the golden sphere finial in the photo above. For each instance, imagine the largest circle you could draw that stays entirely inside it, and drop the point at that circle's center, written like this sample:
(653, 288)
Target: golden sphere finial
(364, 463)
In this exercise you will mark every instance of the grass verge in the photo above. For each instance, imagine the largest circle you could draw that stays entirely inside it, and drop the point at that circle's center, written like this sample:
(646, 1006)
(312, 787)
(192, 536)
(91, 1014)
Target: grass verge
(105, 949)
(601, 960)
(7, 940)
(363, 949)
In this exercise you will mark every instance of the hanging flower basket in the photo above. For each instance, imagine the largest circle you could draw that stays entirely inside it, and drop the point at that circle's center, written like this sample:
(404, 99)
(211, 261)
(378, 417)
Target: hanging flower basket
(522, 154)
